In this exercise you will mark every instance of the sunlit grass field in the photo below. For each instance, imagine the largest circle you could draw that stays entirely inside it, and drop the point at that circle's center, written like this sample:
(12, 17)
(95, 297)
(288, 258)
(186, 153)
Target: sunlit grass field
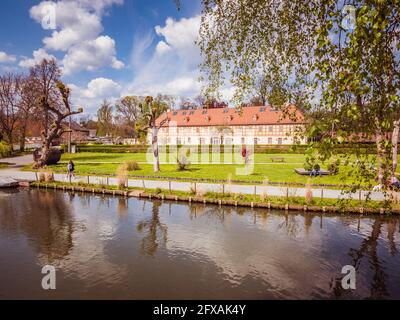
(265, 169)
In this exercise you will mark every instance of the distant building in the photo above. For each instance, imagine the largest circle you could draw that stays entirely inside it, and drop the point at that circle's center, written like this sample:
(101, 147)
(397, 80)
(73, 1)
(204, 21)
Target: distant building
(78, 133)
(251, 126)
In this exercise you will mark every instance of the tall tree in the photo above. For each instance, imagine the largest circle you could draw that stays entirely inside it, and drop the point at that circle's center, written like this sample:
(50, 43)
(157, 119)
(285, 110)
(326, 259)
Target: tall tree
(29, 100)
(10, 99)
(152, 120)
(105, 119)
(53, 104)
(128, 111)
(344, 54)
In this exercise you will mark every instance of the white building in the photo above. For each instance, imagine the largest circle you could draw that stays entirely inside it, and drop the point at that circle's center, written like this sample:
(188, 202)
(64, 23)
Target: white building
(251, 125)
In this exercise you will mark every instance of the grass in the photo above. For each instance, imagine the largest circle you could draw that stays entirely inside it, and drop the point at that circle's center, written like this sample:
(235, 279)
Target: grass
(264, 168)
(240, 198)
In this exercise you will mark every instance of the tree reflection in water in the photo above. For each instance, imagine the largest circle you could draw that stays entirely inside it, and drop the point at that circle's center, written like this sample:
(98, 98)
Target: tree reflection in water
(47, 224)
(154, 230)
(369, 250)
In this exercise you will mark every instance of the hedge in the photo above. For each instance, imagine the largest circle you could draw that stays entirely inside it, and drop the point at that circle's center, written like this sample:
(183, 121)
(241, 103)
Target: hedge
(5, 149)
(272, 149)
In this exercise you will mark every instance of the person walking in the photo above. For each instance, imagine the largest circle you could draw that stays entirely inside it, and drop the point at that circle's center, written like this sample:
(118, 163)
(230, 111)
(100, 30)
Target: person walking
(71, 169)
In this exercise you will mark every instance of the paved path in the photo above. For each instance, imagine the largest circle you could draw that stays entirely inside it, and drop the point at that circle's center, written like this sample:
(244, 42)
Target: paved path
(201, 187)
(17, 162)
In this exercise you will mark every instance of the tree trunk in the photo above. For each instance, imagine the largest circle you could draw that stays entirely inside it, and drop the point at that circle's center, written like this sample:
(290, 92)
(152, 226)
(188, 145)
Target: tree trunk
(381, 157)
(22, 138)
(395, 141)
(10, 140)
(156, 163)
(45, 155)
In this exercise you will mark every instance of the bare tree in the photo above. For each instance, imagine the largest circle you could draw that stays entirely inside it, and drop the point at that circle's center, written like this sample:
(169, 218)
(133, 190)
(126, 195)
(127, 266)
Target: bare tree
(27, 105)
(105, 118)
(151, 110)
(53, 104)
(128, 112)
(10, 97)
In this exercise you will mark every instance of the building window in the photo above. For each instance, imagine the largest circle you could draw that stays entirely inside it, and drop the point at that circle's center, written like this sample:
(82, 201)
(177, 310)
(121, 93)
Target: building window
(198, 130)
(270, 128)
(228, 141)
(243, 140)
(188, 140)
(215, 141)
(269, 140)
(202, 141)
(279, 140)
(178, 141)
(255, 141)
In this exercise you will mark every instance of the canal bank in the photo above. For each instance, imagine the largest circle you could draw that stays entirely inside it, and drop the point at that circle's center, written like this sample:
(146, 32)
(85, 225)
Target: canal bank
(228, 199)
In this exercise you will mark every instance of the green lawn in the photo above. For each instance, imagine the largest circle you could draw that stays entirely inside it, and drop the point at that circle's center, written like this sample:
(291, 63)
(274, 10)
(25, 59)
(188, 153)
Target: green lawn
(141, 157)
(264, 169)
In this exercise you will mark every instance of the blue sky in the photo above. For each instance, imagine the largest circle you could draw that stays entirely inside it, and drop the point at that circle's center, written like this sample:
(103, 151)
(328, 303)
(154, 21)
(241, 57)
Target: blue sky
(106, 48)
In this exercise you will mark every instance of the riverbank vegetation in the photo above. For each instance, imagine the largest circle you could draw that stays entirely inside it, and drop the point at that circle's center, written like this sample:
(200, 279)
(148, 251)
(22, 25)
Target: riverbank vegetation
(264, 201)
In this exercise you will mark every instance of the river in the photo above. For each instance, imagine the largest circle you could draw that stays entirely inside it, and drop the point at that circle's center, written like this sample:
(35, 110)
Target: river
(106, 247)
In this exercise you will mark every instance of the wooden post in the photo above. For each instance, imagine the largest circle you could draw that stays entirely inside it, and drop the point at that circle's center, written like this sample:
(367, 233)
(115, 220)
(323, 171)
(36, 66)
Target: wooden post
(322, 194)
(287, 192)
(88, 180)
(144, 187)
(223, 188)
(107, 180)
(169, 185)
(255, 190)
(36, 176)
(359, 195)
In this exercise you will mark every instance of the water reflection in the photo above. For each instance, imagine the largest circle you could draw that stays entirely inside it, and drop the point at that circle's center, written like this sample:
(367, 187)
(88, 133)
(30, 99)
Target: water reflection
(49, 232)
(115, 247)
(155, 230)
(367, 253)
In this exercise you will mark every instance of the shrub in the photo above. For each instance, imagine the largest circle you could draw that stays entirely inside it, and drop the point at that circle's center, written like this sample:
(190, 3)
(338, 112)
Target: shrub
(5, 149)
(158, 191)
(309, 193)
(122, 175)
(41, 176)
(49, 176)
(132, 165)
(183, 163)
(333, 167)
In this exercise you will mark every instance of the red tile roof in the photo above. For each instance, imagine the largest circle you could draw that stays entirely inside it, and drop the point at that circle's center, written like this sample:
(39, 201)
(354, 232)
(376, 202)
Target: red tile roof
(233, 117)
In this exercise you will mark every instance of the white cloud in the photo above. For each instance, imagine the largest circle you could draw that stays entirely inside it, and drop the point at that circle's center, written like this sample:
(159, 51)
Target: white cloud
(5, 58)
(78, 33)
(91, 55)
(75, 22)
(38, 56)
(94, 93)
(173, 66)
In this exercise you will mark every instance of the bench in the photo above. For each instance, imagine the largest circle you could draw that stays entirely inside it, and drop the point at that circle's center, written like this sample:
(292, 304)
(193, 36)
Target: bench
(304, 172)
(277, 159)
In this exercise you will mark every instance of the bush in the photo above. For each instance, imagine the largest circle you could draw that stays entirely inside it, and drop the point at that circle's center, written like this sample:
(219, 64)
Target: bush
(158, 191)
(132, 165)
(5, 149)
(122, 176)
(333, 167)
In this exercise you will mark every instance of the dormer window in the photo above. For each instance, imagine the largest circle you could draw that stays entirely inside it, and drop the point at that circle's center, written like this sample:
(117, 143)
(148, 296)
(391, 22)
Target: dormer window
(255, 117)
(207, 118)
